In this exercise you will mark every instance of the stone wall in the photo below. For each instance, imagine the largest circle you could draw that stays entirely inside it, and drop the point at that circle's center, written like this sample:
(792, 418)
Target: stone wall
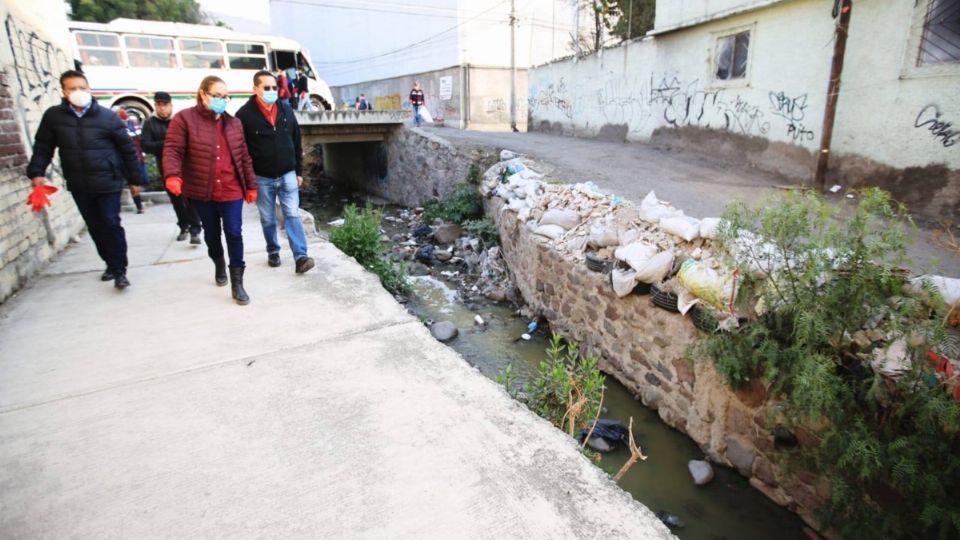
(33, 60)
(648, 350)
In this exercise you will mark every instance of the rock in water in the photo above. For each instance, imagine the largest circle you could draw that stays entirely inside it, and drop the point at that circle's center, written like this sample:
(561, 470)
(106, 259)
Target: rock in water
(670, 520)
(417, 269)
(425, 254)
(444, 331)
(598, 444)
(447, 233)
(701, 471)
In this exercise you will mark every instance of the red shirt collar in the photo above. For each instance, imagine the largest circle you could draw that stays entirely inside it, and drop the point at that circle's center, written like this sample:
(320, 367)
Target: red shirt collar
(269, 114)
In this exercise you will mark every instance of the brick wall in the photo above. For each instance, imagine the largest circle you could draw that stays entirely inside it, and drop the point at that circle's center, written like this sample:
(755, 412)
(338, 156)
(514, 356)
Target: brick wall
(648, 350)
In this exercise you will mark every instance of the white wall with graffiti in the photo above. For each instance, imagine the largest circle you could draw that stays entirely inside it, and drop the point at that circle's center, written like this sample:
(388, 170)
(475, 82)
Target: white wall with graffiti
(34, 51)
(775, 91)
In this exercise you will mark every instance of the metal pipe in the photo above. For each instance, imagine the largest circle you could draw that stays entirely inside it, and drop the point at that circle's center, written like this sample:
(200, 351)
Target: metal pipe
(833, 93)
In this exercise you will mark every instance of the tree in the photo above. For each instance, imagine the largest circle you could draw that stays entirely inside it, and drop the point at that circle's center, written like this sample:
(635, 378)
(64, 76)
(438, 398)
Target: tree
(635, 20)
(187, 11)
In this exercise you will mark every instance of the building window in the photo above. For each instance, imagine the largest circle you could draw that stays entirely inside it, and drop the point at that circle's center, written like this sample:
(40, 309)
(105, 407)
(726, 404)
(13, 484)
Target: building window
(940, 43)
(731, 56)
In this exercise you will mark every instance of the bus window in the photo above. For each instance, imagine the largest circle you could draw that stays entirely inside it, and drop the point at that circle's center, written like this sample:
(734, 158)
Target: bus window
(201, 54)
(99, 49)
(153, 52)
(284, 60)
(302, 62)
(247, 56)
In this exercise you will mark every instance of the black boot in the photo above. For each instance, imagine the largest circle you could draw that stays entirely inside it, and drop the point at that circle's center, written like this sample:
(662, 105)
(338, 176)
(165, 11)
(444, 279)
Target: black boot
(220, 274)
(236, 284)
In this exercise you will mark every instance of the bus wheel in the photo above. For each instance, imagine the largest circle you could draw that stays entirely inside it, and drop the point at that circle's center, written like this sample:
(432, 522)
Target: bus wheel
(319, 103)
(135, 108)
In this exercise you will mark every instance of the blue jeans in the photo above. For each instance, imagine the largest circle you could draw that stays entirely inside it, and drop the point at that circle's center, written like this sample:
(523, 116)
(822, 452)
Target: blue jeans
(101, 213)
(286, 189)
(225, 216)
(416, 115)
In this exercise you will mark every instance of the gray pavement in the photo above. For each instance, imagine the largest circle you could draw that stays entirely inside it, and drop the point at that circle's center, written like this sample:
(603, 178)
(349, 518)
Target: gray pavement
(700, 185)
(322, 409)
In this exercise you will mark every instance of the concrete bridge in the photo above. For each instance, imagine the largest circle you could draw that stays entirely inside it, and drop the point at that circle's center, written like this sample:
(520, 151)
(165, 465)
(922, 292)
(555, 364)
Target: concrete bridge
(321, 127)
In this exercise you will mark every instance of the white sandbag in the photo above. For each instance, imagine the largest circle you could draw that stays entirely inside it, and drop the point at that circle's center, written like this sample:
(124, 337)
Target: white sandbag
(563, 217)
(623, 281)
(762, 258)
(636, 254)
(507, 155)
(706, 284)
(629, 236)
(603, 233)
(550, 231)
(892, 361)
(949, 288)
(653, 210)
(656, 268)
(710, 228)
(685, 227)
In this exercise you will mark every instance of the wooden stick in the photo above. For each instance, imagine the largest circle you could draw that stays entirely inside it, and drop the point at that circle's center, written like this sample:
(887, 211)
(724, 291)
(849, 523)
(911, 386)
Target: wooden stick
(597, 417)
(635, 455)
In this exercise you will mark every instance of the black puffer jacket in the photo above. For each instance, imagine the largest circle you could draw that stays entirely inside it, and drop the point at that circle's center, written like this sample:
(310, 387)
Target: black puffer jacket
(96, 152)
(275, 150)
(151, 138)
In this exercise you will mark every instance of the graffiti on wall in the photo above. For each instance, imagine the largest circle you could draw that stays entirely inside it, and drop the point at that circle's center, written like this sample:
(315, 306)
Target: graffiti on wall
(553, 97)
(931, 119)
(793, 110)
(37, 63)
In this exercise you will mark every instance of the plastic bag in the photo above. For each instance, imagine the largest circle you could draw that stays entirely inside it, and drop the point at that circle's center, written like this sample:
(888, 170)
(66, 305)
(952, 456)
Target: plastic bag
(425, 115)
(710, 228)
(707, 285)
(565, 218)
(685, 227)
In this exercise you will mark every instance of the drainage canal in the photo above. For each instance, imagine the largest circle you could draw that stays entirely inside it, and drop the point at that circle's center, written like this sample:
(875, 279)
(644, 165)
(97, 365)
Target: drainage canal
(726, 508)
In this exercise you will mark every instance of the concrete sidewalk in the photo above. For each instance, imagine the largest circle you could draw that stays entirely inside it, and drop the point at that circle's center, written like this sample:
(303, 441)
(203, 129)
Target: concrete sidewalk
(322, 409)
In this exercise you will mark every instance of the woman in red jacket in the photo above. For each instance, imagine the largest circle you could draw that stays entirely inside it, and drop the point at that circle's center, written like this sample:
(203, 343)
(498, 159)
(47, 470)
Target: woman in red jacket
(205, 157)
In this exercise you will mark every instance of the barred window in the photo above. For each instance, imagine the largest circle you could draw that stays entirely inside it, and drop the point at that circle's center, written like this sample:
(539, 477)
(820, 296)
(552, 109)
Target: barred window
(940, 43)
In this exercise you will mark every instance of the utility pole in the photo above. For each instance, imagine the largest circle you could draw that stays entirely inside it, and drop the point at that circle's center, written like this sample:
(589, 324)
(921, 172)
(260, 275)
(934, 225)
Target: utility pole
(833, 93)
(513, 65)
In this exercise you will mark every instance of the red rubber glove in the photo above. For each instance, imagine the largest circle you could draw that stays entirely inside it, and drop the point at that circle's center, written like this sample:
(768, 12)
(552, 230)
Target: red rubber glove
(251, 196)
(174, 184)
(39, 197)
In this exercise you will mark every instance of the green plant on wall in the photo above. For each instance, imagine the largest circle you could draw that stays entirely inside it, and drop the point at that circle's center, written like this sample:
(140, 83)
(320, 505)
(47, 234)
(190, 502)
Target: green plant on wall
(888, 446)
(461, 204)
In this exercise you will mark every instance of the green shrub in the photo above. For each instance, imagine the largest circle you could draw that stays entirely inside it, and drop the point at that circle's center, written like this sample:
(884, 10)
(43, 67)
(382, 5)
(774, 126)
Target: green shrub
(484, 229)
(888, 447)
(359, 237)
(463, 203)
(562, 379)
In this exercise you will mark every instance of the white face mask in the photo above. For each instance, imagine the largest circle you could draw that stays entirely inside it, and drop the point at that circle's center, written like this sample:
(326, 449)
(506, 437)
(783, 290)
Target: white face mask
(80, 98)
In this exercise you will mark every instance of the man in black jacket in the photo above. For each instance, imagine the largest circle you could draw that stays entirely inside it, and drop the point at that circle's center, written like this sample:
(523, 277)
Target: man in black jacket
(97, 158)
(151, 138)
(273, 140)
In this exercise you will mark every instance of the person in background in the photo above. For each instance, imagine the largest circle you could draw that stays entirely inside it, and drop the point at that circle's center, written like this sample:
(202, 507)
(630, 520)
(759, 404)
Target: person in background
(283, 94)
(416, 99)
(273, 139)
(205, 159)
(363, 104)
(303, 91)
(96, 165)
(151, 139)
(134, 134)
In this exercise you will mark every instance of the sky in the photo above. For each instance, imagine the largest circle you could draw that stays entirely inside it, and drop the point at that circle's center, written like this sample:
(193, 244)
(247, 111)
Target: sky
(242, 15)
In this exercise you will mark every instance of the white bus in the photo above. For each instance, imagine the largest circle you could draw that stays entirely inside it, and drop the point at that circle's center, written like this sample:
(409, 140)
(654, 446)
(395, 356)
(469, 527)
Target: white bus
(127, 60)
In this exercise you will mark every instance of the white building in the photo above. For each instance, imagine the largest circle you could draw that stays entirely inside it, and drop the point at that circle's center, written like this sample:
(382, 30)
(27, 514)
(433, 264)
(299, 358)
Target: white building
(459, 49)
(748, 79)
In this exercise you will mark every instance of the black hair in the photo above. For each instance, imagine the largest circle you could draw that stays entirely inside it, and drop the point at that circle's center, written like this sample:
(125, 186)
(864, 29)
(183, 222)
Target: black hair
(262, 73)
(72, 74)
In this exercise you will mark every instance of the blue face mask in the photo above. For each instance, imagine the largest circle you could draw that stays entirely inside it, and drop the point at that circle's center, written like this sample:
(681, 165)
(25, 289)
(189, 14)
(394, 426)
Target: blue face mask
(269, 97)
(218, 105)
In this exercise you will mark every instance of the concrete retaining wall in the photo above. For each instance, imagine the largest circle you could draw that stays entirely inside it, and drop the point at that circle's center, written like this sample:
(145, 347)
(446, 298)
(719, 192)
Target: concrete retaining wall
(649, 351)
(34, 54)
